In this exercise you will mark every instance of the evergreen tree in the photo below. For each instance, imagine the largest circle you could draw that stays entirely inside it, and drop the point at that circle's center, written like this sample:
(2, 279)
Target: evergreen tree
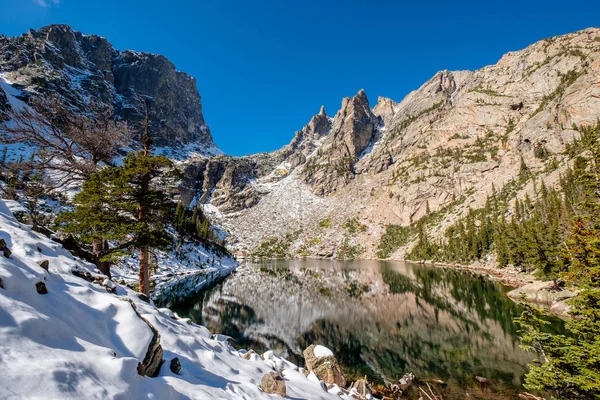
(127, 206)
(570, 364)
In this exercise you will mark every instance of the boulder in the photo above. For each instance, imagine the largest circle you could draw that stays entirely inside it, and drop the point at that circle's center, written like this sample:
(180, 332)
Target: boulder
(482, 381)
(41, 288)
(362, 387)
(175, 366)
(4, 248)
(272, 383)
(248, 354)
(45, 264)
(321, 361)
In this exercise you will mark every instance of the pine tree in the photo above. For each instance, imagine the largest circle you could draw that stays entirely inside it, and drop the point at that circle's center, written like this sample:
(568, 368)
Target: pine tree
(127, 205)
(570, 365)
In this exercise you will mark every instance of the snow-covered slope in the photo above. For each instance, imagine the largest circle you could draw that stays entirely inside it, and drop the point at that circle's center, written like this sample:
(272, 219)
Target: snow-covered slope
(80, 341)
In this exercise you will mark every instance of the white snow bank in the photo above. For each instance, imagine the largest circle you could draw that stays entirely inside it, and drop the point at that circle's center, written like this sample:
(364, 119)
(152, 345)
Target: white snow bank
(79, 341)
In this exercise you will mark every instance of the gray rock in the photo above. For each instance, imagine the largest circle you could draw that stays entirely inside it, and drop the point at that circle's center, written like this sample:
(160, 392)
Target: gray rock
(40, 287)
(272, 383)
(353, 129)
(4, 248)
(406, 381)
(4, 106)
(362, 387)
(1, 284)
(150, 365)
(175, 366)
(58, 60)
(45, 264)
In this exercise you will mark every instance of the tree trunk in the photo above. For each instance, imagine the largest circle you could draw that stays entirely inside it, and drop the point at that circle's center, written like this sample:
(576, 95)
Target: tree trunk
(98, 246)
(144, 281)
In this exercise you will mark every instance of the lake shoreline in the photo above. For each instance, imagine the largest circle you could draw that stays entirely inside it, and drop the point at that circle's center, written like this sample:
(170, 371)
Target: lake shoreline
(507, 276)
(524, 286)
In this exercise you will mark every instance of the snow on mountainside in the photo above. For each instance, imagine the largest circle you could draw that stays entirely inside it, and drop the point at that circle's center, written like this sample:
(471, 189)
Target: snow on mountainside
(80, 341)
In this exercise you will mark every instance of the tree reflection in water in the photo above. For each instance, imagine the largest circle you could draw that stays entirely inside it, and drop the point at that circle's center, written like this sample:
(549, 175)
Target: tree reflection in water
(381, 319)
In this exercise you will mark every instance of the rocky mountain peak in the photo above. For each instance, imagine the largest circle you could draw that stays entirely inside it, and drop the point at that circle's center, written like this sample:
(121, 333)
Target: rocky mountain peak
(78, 68)
(385, 108)
(354, 128)
(322, 110)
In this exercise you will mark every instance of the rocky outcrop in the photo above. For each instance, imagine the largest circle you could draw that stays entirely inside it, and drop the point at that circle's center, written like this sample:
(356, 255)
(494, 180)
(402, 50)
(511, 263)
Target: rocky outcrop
(320, 361)
(272, 383)
(153, 359)
(354, 128)
(4, 106)
(221, 180)
(60, 61)
(545, 294)
(385, 109)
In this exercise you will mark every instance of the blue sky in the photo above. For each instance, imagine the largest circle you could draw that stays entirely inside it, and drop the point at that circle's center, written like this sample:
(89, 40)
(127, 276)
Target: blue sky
(263, 68)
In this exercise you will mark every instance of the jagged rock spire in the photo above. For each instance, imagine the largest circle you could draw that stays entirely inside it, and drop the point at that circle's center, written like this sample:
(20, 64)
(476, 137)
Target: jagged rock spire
(322, 111)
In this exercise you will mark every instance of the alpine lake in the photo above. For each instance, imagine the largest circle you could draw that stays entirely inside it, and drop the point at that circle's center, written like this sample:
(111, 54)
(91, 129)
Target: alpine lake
(381, 319)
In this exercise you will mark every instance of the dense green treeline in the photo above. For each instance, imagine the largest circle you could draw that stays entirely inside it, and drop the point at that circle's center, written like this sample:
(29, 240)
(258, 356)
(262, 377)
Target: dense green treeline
(529, 232)
(568, 366)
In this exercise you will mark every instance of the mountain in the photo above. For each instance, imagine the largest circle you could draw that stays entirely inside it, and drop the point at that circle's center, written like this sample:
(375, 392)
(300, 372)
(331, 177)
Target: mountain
(333, 190)
(343, 178)
(81, 69)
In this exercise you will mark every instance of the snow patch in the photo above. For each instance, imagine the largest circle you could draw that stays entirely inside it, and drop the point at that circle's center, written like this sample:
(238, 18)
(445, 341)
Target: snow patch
(322, 351)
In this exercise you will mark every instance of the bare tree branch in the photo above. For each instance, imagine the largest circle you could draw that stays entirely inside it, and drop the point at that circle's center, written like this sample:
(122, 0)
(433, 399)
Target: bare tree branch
(69, 145)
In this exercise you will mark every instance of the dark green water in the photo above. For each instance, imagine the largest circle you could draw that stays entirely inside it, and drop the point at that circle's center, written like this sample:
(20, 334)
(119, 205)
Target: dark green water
(381, 319)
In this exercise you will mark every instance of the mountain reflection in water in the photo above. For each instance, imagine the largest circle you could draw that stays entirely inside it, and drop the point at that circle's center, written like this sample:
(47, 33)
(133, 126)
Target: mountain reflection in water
(381, 319)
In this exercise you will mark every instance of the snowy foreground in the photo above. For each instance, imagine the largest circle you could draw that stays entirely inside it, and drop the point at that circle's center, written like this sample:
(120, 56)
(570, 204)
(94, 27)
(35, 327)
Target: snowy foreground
(80, 341)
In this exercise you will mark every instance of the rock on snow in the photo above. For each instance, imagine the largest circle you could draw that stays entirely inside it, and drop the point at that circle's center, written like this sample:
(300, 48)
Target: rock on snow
(80, 341)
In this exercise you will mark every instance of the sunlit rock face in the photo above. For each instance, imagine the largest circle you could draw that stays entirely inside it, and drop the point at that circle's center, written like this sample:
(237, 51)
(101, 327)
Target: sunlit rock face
(83, 68)
(449, 142)
(380, 319)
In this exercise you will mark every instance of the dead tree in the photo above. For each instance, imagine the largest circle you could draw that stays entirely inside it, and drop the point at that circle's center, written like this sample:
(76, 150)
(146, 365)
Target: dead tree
(68, 144)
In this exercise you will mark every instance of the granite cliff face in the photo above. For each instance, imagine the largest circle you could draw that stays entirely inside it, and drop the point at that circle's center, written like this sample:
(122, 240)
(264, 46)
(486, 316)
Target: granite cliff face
(82, 68)
(339, 182)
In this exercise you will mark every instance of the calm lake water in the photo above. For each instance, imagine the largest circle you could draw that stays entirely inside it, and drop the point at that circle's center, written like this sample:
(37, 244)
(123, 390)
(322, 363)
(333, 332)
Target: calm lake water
(381, 319)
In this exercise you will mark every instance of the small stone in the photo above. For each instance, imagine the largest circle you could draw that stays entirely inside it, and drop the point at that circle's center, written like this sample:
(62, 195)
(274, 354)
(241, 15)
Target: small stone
(248, 354)
(362, 387)
(41, 288)
(1, 284)
(482, 381)
(406, 381)
(4, 248)
(45, 264)
(175, 366)
(272, 383)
